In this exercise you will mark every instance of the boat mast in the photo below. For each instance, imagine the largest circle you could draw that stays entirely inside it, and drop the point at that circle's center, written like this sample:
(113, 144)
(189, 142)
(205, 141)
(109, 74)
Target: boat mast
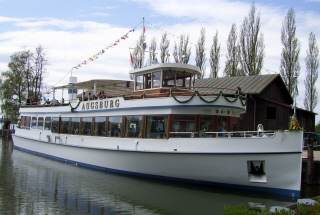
(143, 43)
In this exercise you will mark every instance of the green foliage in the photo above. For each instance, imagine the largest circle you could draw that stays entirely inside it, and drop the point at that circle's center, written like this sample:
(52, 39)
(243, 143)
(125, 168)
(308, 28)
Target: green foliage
(241, 210)
(23, 80)
(300, 210)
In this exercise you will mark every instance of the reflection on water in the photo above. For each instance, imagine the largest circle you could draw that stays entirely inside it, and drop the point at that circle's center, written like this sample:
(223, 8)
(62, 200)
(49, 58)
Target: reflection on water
(34, 185)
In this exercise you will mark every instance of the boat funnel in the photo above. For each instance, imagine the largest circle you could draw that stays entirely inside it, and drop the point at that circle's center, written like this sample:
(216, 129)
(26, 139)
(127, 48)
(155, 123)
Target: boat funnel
(72, 93)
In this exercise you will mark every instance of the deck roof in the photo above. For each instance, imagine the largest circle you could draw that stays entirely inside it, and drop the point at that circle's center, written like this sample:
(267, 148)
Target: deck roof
(248, 84)
(111, 87)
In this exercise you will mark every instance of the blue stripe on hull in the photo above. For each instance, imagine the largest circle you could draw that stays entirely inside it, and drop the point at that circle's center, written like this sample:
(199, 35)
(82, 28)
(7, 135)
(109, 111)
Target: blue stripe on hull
(286, 192)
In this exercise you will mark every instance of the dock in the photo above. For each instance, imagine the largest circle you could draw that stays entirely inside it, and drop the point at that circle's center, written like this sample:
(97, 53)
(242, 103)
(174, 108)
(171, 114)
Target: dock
(315, 171)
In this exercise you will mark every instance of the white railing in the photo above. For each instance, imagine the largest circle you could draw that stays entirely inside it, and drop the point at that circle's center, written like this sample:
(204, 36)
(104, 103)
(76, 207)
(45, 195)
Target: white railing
(227, 134)
(244, 134)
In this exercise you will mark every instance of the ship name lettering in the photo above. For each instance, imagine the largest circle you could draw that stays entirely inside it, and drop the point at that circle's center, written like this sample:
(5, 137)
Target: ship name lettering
(101, 104)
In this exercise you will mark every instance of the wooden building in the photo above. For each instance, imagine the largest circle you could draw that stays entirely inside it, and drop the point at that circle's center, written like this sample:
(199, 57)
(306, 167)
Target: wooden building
(268, 102)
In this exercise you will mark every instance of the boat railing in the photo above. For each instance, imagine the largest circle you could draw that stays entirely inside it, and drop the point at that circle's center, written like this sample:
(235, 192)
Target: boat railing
(225, 134)
(184, 134)
(243, 134)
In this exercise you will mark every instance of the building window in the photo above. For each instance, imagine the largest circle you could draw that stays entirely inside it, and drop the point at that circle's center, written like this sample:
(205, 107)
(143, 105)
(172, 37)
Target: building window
(271, 113)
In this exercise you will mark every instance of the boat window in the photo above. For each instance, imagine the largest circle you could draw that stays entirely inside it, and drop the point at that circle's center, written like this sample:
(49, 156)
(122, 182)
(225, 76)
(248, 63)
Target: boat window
(133, 126)
(47, 123)
(86, 125)
(183, 79)
(156, 79)
(55, 125)
(114, 126)
(75, 125)
(40, 123)
(183, 125)
(222, 125)
(168, 78)
(34, 122)
(139, 82)
(206, 125)
(147, 81)
(100, 126)
(234, 123)
(157, 126)
(25, 122)
(65, 125)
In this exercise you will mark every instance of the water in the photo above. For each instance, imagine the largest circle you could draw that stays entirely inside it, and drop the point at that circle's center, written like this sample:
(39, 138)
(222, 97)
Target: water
(31, 184)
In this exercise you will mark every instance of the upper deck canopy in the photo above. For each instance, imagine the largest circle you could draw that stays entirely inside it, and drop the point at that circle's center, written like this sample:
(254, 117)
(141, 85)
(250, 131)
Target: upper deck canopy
(111, 87)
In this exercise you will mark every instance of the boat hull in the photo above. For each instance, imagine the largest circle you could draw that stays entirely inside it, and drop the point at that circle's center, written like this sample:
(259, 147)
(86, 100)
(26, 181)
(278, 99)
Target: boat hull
(227, 167)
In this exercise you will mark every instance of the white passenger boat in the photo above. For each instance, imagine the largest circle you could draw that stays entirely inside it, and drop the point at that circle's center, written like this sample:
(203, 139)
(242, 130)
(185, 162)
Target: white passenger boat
(160, 125)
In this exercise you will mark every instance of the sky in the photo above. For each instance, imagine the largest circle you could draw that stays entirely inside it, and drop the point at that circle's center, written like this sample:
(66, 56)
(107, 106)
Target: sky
(72, 31)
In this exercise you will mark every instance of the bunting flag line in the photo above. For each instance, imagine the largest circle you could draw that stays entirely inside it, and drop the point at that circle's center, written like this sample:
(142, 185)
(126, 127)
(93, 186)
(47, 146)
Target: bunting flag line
(111, 45)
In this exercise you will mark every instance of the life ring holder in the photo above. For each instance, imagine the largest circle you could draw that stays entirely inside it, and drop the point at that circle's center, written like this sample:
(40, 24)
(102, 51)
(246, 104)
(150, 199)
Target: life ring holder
(260, 127)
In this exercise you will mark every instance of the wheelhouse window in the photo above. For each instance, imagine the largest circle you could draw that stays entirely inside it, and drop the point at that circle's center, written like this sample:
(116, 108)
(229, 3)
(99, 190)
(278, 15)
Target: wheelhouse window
(157, 126)
(75, 125)
(99, 126)
(55, 125)
(65, 125)
(139, 82)
(133, 126)
(156, 79)
(86, 125)
(47, 123)
(168, 78)
(34, 122)
(114, 126)
(147, 80)
(183, 125)
(206, 125)
(183, 79)
(40, 123)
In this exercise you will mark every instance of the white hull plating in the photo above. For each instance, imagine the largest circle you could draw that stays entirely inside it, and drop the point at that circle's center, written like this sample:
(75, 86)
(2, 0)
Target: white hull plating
(214, 161)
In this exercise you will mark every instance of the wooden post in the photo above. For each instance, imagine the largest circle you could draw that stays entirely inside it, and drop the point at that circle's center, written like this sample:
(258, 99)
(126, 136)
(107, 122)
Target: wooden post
(310, 165)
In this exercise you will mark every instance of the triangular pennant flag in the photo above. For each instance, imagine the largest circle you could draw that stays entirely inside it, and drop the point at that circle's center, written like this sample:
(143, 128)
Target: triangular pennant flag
(131, 59)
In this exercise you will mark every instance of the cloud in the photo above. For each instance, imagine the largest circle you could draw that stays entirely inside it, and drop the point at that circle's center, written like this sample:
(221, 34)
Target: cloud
(100, 14)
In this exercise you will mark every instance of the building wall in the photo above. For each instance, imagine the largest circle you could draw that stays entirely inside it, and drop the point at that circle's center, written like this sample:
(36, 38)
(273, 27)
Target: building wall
(274, 115)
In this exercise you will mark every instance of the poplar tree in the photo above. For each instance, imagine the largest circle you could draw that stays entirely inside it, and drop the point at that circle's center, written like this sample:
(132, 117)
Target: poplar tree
(138, 53)
(164, 46)
(312, 65)
(215, 57)
(233, 54)
(200, 53)
(289, 65)
(182, 51)
(152, 51)
(251, 43)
